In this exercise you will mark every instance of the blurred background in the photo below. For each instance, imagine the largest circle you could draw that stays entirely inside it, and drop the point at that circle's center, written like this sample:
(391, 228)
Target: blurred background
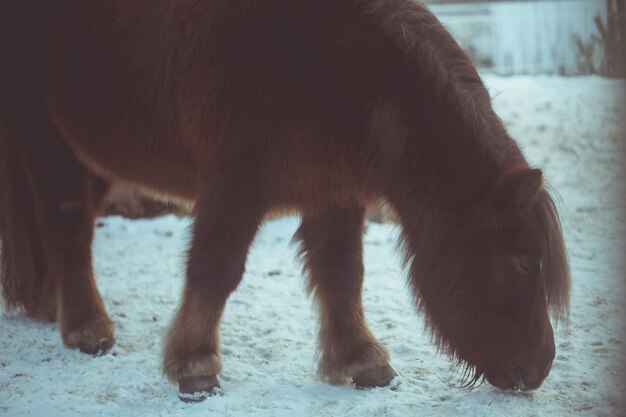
(564, 37)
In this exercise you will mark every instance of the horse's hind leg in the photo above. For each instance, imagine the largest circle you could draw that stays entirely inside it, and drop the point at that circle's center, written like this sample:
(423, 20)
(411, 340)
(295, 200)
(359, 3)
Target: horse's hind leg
(227, 217)
(331, 245)
(66, 196)
(82, 315)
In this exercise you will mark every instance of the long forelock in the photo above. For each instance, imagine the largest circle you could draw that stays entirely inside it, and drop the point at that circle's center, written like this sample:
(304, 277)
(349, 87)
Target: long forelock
(557, 275)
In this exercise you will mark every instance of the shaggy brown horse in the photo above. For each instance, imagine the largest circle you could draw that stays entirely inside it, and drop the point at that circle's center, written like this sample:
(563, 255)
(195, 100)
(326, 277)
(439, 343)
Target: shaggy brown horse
(246, 107)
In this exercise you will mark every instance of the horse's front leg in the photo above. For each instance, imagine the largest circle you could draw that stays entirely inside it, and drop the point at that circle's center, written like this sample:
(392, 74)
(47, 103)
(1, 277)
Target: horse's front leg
(332, 249)
(226, 220)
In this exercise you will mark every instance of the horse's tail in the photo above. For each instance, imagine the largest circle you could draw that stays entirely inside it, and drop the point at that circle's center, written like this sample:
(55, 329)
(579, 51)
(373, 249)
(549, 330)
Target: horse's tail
(22, 268)
(23, 36)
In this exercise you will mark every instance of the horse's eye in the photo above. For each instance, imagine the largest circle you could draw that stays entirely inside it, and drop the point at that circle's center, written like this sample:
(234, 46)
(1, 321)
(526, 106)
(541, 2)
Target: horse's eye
(528, 265)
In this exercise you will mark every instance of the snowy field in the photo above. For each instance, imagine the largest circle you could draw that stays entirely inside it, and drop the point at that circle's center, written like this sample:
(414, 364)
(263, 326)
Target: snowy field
(568, 127)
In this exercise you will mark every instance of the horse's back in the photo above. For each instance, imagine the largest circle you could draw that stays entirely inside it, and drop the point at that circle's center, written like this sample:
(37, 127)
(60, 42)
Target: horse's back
(111, 93)
(152, 95)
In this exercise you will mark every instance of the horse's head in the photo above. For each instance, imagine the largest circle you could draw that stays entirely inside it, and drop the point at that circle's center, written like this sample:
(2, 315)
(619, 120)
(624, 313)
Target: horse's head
(532, 277)
(488, 279)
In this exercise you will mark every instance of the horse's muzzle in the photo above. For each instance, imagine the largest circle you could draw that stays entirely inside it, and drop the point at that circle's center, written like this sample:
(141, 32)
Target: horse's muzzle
(519, 379)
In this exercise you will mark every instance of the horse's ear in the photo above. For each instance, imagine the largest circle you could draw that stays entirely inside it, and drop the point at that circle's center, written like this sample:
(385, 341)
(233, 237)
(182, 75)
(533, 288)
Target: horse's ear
(517, 189)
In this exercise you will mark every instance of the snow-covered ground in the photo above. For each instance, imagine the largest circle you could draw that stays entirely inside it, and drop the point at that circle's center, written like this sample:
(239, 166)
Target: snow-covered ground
(569, 127)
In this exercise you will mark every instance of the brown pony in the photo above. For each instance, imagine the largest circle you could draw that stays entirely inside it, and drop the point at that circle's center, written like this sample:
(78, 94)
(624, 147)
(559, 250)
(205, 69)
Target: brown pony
(246, 107)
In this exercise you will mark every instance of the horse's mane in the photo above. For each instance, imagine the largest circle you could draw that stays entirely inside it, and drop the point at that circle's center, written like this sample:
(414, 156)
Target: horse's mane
(444, 66)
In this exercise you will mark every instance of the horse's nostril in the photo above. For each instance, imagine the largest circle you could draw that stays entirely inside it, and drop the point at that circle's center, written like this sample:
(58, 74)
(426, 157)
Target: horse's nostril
(528, 379)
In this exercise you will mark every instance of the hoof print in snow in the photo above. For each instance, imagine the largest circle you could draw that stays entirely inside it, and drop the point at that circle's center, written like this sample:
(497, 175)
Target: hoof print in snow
(378, 377)
(194, 389)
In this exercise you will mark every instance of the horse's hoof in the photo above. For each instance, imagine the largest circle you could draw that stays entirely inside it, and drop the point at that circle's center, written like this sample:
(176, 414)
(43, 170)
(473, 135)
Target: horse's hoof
(103, 346)
(377, 377)
(94, 338)
(193, 389)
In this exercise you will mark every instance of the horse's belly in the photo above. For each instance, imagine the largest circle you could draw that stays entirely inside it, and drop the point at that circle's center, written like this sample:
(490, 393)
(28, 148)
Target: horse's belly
(118, 146)
(169, 174)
